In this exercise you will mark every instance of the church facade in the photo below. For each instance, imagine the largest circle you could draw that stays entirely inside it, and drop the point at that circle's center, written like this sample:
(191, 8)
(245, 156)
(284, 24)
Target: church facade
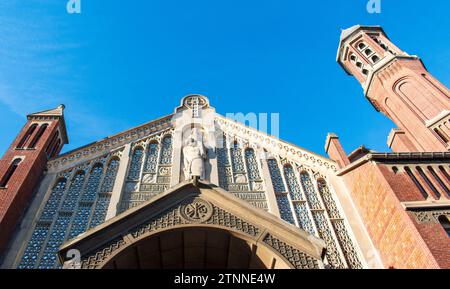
(195, 189)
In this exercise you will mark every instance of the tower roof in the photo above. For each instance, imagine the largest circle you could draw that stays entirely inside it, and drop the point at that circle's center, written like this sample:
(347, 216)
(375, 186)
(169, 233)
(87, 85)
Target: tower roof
(57, 112)
(347, 33)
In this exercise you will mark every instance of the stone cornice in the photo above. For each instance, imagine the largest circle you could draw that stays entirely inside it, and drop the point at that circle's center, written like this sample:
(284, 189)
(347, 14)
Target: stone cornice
(393, 158)
(111, 143)
(275, 145)
(432, 204)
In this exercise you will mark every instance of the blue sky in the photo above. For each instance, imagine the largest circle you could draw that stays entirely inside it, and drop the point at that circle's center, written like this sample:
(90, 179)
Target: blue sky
(122, 63)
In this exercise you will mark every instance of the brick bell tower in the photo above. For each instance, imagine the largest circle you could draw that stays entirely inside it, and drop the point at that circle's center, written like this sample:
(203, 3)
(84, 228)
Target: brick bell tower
(23, 165)
(398, 85)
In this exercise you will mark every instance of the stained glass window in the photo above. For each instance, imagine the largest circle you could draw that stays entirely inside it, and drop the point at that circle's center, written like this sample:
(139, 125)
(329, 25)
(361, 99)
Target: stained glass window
(328, 200)
(292, 183)
(275, 175)
(285, 208)
(57, 237)
(333, 256)
(308, 188)
(151, 163)
(80, 223)
(301, 210)
(34, 247)
(236, 159)
(110, 177)
(68, 212)
(70, 202)
(136, 163)
(223, 164)
(340, 229)
(252, 165)
(52, 205)
(166, 151)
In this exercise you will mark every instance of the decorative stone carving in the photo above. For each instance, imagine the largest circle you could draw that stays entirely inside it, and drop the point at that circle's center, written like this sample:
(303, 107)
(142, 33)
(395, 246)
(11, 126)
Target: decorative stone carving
(198, 211)
(194, 156)
(299, 259)
(423, 217)
(149, 179)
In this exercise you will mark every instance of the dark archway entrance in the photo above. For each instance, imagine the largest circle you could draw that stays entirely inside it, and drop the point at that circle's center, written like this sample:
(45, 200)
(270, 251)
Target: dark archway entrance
(196, 248)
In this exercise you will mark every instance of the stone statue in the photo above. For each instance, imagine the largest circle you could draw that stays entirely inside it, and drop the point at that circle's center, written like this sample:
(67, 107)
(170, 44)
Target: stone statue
(194, 159)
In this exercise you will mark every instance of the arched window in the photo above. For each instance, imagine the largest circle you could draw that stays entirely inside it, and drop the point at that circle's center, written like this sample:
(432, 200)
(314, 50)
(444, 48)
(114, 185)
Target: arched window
(9, 173)
(151, 163)
(429, 183)
(300, 207)
(416, 182)
(27, 136)
(223, 163)
(277, 180)
(136, 162)
(361, 46)
(284, 205)
(55, 148)
(166, 151)
(252, 165)
(110, 176)
(375, 58)
(89, 194)
(308, 188)
(445, 222)
(52, 143)
(292, 183)
(102, 204)
(368, 52)
(51, 207)
(237, 162)
(38, 136)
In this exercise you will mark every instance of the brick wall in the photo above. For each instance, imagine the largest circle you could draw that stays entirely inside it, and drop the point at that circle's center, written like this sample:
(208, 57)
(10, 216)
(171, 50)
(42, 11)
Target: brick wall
(391, 229)
(19, 191)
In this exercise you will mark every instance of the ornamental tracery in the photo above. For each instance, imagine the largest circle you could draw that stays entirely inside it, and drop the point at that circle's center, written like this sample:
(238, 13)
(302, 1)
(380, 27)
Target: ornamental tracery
(78, 199)
(239, 171)
(150, 170)
(301, 205)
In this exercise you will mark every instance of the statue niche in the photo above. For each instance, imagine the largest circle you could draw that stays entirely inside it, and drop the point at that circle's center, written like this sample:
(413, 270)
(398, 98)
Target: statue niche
(194, 155)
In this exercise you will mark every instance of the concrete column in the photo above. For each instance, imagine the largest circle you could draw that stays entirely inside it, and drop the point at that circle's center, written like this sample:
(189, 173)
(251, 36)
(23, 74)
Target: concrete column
(119, 183)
